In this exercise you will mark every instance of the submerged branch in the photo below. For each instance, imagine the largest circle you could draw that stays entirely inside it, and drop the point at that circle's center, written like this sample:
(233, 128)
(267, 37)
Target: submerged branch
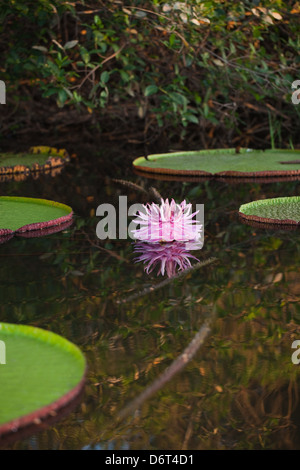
(167, 281)
(173, 369)
(153, 192)
(130, 185)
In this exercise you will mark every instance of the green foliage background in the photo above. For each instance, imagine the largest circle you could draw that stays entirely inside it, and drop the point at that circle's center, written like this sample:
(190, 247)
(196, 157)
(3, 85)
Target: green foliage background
(169, 64)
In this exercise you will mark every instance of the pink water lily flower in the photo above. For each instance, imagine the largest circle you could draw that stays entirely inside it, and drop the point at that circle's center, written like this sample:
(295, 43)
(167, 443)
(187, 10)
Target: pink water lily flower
(167, 222)
(169, 256)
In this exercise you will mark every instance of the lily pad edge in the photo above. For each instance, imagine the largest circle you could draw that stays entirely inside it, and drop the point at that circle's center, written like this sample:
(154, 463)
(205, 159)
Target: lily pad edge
(266, 220)
(38, 225)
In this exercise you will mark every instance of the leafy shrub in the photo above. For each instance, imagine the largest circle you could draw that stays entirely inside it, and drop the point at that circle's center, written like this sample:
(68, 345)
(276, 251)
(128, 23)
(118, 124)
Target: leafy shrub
(172, 63)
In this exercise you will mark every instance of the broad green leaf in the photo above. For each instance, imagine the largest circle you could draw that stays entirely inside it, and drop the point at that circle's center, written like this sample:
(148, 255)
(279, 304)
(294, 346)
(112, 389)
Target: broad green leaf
(104, 77)
(38, 370)
(178, 98)
(21, 214)
(85, 55)
(70, 44)
(191, 118)
(151, 90)
(62, 97)
(172, 39)
(224, 162)
(278, 210)
(40, 48)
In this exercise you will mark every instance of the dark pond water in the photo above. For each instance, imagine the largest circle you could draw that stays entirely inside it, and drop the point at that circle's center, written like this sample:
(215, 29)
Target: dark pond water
(240, 390)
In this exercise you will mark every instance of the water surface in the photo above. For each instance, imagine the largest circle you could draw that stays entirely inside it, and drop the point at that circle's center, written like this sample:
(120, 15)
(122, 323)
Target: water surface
(240, 391)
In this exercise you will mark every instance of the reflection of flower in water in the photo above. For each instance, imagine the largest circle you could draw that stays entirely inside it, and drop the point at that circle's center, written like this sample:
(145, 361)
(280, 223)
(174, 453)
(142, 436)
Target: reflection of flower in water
(167, 222)
(169, 255)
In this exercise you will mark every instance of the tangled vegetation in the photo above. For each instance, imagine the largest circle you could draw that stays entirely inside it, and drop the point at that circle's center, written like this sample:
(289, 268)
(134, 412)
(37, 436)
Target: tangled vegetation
(226, 67)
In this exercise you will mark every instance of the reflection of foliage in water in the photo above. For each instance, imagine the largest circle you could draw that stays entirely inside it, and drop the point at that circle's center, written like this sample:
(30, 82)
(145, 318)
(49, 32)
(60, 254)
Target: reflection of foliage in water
(240, 391)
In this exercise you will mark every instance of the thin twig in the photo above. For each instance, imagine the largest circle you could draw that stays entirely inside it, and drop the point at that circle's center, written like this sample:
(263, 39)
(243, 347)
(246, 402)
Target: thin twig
(188, 433)
(100, 65)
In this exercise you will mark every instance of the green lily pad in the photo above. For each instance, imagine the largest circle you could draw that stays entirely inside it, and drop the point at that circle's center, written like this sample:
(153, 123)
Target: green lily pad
(21, 214)
(40, 372)
(282, 210)
(223, 162)
(35, 160)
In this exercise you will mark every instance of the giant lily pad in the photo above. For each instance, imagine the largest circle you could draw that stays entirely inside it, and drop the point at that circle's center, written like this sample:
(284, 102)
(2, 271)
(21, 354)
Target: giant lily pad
(40, 373)
(282, 210)
(223, 162)
(35, 160)
(23, 214)
(227, 179)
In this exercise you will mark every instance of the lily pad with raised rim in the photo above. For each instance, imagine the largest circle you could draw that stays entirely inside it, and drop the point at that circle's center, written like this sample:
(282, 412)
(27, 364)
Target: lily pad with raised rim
(223, 163)
(227, 179)
(22, 214)
(37, 159)
(40, 373)
(278, 211)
